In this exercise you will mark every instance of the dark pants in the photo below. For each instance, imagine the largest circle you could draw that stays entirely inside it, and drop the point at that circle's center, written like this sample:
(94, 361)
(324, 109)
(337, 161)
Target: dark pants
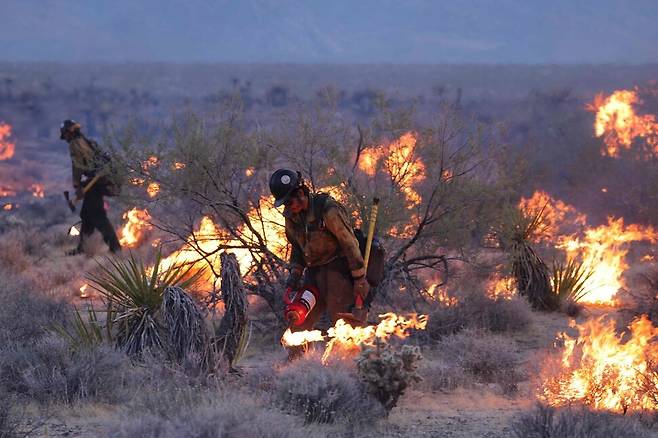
(94, 217)
(336, 290)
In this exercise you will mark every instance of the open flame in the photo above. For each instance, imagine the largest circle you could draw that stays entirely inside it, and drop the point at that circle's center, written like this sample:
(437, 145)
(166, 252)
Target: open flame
(7, 148)
(152, 161)
(7, 191)
(83, 291)
(7, 207)
(400, 161)
(604, 370)
(500, 287)
(153, 189)
(138, 222)
(601, 249)
(37, 190)
(441, 296)
(342, 336)
(619, 124)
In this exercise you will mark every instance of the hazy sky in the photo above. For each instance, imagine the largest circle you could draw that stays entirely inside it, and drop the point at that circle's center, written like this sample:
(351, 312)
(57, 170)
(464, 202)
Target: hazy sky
(344, 31)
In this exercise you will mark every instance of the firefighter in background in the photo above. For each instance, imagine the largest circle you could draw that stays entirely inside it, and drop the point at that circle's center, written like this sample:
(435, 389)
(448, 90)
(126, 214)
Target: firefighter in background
(325, 252)
(87, 160)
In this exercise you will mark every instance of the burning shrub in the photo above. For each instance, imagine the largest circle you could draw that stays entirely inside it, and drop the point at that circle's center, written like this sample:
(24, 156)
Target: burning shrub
(477, 311)
(49, 371)
(388, 371)
(325, 394)
(487, 358)
(548, 422)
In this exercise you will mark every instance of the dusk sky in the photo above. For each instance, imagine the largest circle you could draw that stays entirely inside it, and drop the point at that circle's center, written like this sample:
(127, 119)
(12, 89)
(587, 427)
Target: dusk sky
(337, 31)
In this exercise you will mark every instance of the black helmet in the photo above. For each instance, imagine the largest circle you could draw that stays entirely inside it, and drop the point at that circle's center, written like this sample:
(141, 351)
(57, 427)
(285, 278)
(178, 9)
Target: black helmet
(68, 125)
(283, 183)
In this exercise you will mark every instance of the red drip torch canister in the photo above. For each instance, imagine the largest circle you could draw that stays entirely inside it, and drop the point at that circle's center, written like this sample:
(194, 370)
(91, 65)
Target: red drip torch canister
(299, 305)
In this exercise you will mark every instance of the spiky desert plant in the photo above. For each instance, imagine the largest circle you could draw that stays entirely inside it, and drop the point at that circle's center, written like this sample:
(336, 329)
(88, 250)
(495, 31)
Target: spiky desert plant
(530, 271)
(232, 334)
(569, 281)
(135, 293)
(85, 332)
(388, 371)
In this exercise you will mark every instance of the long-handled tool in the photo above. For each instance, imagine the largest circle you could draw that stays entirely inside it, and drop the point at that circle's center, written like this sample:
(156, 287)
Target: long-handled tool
(85, 189)
(359, 313)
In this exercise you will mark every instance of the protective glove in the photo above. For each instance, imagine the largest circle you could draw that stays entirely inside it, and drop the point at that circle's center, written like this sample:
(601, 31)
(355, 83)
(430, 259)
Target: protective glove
(361, 287)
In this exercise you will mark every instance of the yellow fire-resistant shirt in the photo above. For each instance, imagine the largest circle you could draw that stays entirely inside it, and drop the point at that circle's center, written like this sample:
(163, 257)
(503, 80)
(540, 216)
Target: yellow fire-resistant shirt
(82, 159)
(316, 243)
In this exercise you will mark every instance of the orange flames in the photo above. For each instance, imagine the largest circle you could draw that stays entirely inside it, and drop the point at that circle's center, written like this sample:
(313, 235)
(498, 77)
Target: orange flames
(440, 295)
(7, 148)
(7, 191)
(401, 163)
(342, 336)
(209, 239)
(500, 287)
(619, 124)
(604, 370)
(152, 161)
(7, 207)
(601, 249)
(133, 231)
(37, 190)
(153, 189)
(83, 291)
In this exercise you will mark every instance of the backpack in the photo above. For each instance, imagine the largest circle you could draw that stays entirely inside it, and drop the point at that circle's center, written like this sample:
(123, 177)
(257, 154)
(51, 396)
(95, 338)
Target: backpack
(377, 260)
(103, 160)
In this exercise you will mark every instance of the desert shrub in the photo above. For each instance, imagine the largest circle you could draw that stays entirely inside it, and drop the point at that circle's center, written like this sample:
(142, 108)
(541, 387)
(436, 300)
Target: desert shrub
(489, 359)
(325, 394)
(569, 283)
(13, 254)
(548, 422)
(388, 371)
(185, 411)
(49, 371)
(476, 311)
(26, 313)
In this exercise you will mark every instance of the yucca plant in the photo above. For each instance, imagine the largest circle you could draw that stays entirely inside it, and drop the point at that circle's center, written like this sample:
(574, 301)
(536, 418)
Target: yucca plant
(136, 295)
(529, 270)
(569, 281)
(85, 333)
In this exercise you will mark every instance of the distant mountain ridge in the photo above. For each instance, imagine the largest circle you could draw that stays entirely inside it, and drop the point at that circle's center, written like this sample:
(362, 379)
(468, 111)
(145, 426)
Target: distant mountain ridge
(336, 31)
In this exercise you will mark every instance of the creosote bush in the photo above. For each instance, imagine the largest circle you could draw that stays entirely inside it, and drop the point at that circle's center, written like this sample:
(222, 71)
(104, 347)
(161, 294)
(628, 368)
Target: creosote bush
(486, 358)
(325, 394)
(476, 311)
(50, 371)
(547, 422)
(388, 371)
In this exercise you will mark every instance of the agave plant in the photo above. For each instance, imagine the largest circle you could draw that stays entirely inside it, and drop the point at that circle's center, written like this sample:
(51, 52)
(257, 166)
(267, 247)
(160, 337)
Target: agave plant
(530, 271)
(569, 280)
(136, 295)
(85, 333)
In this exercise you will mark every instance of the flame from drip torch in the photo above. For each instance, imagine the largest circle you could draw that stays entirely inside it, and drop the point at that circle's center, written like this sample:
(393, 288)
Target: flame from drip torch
(342, 336)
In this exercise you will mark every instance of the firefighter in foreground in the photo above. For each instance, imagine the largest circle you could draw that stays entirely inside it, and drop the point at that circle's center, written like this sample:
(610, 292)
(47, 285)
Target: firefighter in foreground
(91, 181)
(325, 253)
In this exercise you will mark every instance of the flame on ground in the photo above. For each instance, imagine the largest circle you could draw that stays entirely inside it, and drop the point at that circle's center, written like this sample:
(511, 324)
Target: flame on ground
(619, 124)
(603, 250)
(500, 287)
(7, 207)
(152, 161)
(83, 291)
(37, 190)
(604, 370)
(441, 296)
(7, 148)
(342, 336)
(7, 191)
(138, 223)
(153, 189)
